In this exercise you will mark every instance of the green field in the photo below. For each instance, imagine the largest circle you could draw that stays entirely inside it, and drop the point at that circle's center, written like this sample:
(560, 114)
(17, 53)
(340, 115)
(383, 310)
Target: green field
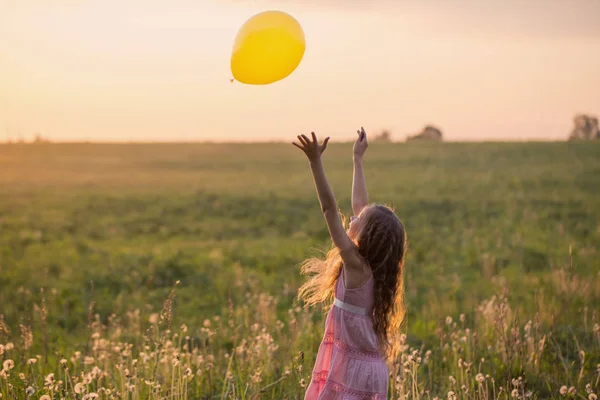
(505, 234)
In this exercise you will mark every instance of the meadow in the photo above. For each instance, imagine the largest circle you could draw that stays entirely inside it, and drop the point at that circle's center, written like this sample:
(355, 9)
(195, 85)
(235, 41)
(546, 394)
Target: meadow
(170, 271)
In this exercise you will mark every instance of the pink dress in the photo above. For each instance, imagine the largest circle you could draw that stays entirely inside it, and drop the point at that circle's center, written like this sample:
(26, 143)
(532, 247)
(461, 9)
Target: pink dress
(349, 365)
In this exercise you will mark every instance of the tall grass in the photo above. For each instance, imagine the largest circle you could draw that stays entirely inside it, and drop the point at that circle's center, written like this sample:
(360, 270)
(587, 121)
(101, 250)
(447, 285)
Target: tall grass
(170, 271)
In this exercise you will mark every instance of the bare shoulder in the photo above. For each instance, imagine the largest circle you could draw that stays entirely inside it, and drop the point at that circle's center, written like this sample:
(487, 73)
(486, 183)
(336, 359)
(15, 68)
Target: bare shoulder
(356, 270)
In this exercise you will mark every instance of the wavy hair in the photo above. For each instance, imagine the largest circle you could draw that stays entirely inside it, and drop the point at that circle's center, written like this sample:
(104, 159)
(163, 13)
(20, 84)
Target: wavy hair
(382, 244)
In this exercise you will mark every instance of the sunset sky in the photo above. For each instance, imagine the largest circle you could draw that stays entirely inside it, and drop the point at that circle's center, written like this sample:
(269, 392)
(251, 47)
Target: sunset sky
(149, 70)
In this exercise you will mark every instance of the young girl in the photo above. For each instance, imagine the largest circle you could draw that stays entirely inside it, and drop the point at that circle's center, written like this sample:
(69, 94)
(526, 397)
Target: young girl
(363, 275)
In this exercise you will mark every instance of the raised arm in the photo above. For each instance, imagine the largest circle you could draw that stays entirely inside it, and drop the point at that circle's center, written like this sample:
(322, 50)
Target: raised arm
(360, 198)
(340, 238)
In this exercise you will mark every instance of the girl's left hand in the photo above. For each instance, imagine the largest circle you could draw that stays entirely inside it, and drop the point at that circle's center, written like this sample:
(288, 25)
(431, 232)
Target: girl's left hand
(311, 148)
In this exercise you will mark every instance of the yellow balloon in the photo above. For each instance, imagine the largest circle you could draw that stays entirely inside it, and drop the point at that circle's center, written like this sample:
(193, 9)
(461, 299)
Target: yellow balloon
(268, 48)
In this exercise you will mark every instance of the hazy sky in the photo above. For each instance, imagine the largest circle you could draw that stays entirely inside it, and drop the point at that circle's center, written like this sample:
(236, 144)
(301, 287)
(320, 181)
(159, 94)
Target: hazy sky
(159, 70)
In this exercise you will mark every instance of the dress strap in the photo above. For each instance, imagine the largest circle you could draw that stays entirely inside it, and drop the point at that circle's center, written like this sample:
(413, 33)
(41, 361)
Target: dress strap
(349, 307)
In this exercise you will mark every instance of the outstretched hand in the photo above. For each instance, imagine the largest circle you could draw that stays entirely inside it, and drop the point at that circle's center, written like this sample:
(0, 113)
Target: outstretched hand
(311, 148)
(361, 144)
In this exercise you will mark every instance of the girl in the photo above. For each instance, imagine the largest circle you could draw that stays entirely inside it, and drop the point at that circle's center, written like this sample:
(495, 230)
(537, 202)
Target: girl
(363, 275)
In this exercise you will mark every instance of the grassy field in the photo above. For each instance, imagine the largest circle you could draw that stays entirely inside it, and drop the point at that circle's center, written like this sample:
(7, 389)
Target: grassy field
(170, 270)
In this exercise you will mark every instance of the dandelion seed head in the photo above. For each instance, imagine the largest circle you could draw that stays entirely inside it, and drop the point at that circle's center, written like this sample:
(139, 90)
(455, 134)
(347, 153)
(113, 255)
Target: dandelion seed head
(7, 365)
(30, 391)
(79, 388)
(49, 378)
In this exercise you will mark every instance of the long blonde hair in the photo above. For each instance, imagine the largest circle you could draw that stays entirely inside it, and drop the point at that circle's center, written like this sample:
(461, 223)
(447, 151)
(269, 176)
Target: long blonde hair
(382, 243)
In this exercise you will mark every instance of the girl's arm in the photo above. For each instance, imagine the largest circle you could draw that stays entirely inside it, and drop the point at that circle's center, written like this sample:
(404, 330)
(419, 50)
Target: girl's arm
(360, 198)
(313, 151)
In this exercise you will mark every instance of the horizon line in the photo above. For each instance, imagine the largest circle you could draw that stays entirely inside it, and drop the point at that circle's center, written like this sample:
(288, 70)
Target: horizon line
(224, 142)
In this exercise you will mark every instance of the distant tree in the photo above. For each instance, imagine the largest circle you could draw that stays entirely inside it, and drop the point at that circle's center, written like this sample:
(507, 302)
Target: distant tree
(586, 128)
(384, 136)
(429, 132)
(40, 139)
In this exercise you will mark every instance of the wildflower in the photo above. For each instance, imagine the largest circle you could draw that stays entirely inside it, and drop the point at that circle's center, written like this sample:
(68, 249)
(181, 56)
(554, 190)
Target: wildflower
(79, 388)
(188, 372)
(588, 388)
(184, 328)
(63, 362)
(256, 377)
(49, 379)
(514, 393)
(563, 390)
(448, 321)
(302, 383)
(528, 394)
(206, 323)
(88, 360)
(451, 395)
(90, 396)
(572, 391)
(592, 396)
(452, 380)
(29, 391)
(480, 378)
(45, 397)
(515, 383)
(8, 365)
(22, 376)
(1, 349)
(9, 346)
(462, 317)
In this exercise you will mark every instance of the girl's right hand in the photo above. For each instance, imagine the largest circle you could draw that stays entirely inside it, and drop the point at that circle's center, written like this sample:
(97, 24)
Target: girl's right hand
(361, 144)
(311, 148)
